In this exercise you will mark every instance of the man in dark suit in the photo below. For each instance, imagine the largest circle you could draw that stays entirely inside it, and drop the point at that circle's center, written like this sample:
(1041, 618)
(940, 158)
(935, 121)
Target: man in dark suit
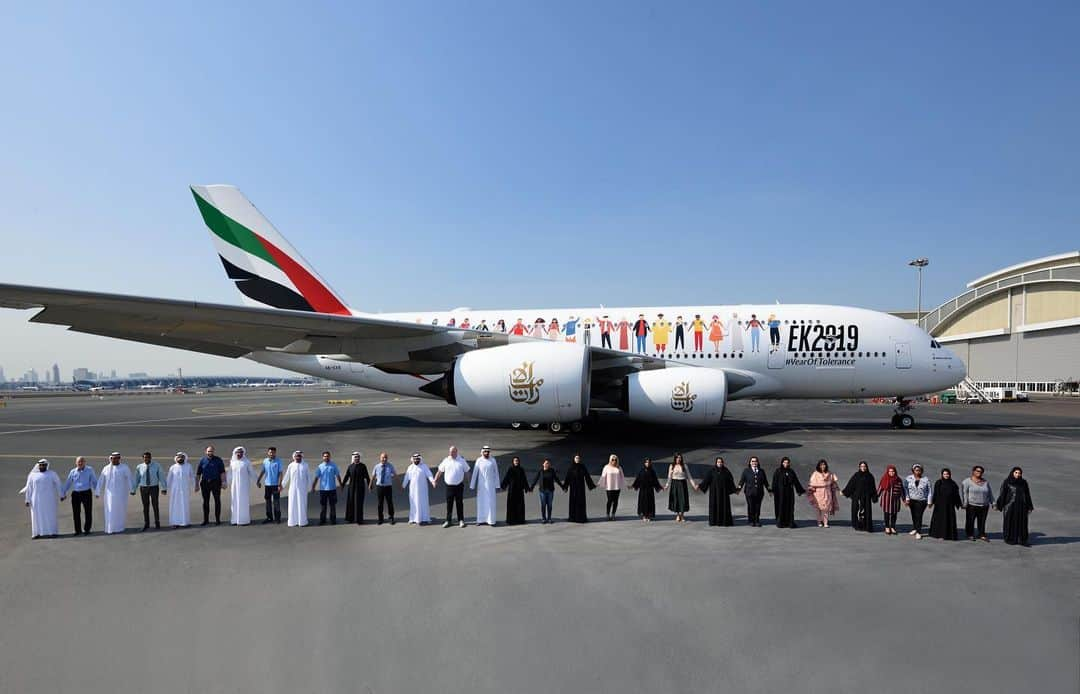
(756, 484)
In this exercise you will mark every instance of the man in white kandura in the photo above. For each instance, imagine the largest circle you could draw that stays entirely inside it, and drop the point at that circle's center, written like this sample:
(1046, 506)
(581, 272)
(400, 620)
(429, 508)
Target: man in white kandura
(298, 480)
(43, 491)
(114, 482)
(453, 469)
(485, 480)
(181, 482)
(239, 479)
(416, 479)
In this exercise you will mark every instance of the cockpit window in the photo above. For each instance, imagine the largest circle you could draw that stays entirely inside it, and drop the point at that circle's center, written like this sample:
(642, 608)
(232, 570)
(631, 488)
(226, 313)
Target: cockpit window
(934, 344)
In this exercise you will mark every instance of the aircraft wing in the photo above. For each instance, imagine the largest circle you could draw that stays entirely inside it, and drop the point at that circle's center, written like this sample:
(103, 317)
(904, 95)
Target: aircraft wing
(233, 331)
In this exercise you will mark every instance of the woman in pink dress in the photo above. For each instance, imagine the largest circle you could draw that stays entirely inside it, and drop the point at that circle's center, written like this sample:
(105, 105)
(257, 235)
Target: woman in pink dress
(821, 493)
(553, 329)
(624, 335)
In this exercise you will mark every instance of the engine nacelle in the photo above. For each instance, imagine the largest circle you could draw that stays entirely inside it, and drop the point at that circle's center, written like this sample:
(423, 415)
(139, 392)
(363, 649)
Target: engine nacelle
(523, 382)
(681, 396)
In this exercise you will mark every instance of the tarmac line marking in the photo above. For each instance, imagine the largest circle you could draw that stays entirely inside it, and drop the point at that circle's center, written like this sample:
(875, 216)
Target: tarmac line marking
(1050, 436)
(150, 421)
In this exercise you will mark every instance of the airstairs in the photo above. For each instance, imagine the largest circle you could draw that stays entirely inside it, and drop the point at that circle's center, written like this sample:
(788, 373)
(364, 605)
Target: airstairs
(967, 391)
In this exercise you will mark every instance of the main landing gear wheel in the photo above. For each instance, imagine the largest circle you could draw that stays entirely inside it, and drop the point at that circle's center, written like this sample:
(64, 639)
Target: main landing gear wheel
(515, 425)
(535, 425)
(555, 427)
(901, 419)
(576, 427)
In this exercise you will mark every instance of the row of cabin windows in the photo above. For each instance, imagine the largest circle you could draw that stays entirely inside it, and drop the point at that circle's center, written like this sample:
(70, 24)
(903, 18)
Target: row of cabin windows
(794, 355)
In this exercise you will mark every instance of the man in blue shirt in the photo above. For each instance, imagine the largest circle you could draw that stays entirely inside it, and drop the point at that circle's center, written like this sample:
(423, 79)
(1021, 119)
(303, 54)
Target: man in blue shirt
(327, 479)
(150, 482)
(271, 470)
(81, 482)
(382, 481)
(210, 475)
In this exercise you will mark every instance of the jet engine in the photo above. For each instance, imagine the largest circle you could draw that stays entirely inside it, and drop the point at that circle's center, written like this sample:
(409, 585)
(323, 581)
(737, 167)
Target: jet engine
(681, 396)
(522, 382)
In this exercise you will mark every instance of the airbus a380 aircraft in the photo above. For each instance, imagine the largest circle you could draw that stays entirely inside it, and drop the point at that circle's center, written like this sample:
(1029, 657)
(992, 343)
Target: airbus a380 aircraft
(672, 365)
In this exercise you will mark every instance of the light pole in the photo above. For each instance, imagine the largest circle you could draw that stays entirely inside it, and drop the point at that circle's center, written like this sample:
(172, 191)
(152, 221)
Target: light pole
(919, 263)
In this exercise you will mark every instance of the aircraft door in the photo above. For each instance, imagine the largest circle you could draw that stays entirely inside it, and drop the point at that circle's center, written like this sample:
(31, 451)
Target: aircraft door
(903, 354)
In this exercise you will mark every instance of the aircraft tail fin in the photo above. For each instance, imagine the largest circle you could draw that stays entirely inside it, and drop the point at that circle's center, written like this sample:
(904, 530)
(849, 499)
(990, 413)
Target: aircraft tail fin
(267, 270)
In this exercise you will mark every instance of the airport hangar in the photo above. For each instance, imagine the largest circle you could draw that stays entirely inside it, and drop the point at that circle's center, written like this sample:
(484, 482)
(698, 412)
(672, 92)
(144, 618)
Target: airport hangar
(1017, 327)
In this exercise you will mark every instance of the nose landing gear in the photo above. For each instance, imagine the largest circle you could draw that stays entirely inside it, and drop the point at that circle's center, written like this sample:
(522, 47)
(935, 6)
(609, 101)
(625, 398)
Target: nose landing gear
(902, 418)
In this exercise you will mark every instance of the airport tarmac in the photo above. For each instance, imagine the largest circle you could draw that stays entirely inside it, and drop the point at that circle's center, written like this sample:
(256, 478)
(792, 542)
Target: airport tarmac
(603, 607)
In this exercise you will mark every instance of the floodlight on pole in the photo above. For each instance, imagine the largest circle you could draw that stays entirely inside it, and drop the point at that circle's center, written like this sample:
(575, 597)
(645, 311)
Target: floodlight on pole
(919, 263)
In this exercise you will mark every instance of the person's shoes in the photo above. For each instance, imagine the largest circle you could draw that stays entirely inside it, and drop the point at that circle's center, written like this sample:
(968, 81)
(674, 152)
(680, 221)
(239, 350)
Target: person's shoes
(145, 528)
(820, 524)
(217, 522)
(322, 522)
(157, 526)
(77, 533)
(391, 521)
(380, 523)
(333, 522)
(204, 523)
(461, 524)
(912, 532)
(984, 538)
(918, 536)
(446, 524)
(268, 520)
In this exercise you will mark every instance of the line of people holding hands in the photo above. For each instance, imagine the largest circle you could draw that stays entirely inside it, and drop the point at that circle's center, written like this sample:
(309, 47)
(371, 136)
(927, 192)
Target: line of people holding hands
(212, 475)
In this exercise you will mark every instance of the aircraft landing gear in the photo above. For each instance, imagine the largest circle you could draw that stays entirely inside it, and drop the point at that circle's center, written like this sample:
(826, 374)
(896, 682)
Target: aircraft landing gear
(902, 418)
(555, 427)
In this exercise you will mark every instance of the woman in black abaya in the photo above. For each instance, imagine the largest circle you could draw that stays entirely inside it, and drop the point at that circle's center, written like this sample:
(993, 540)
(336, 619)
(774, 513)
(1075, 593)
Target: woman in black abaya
(1014, 502)
(576, 480)
(785, 485)
(647, 485)
(515, 484)
(720, 484)
(862, 490)
(946, 501)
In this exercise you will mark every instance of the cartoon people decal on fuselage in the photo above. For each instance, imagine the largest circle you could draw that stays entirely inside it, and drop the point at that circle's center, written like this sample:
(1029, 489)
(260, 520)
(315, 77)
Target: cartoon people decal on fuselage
(697, 326)
(754, 326)
(716, 330)
(774, 332)
(570, 329)
(660, 330)
(716, 334)
(605, 326)
(641, 329)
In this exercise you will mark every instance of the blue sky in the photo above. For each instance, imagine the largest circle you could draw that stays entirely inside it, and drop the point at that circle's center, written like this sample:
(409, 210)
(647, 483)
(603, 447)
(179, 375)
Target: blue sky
(504, 154)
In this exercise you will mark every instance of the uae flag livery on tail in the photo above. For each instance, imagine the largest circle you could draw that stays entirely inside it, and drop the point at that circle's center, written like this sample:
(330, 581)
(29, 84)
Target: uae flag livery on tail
(267, 270)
